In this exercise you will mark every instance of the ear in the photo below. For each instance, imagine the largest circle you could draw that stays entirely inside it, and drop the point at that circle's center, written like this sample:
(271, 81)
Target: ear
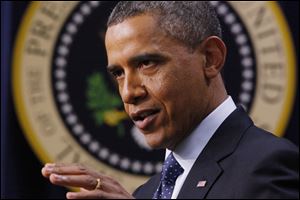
(214, 51)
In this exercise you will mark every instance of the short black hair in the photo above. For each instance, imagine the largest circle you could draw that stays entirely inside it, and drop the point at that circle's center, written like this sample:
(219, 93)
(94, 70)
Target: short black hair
(187, 21)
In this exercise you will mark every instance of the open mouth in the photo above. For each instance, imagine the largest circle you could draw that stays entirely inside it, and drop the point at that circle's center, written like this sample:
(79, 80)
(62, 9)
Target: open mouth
(144, 118)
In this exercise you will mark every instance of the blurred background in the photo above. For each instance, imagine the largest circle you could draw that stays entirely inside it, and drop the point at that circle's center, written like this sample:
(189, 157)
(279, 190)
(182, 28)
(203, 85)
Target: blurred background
(59, 105)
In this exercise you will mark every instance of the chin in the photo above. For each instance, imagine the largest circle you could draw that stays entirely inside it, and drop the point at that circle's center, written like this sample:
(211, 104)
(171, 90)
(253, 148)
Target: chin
(155, 142)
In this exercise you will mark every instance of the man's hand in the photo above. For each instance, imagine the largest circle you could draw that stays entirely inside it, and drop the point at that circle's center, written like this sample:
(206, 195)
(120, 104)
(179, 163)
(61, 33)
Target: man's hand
(76, 175)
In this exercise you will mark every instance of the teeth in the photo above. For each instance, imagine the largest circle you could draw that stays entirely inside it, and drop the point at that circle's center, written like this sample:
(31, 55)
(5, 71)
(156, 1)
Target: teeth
(143, 115)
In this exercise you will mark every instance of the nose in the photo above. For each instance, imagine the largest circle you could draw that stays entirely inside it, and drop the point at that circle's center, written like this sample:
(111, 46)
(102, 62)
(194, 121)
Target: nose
(133, 91)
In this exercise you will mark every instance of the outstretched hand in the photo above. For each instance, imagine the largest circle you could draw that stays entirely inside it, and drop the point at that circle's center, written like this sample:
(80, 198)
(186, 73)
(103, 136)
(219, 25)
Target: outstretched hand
(92, 184)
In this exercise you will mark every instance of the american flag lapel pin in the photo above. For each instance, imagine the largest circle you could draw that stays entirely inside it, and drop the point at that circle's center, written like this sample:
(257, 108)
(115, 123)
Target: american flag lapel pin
(201, 184)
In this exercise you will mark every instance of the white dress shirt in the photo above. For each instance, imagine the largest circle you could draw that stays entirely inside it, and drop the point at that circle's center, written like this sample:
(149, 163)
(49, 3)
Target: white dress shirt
(188, 151)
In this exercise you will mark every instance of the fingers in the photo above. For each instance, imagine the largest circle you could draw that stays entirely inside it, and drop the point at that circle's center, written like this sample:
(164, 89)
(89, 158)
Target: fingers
(76, 175)
(58, 175)
(64, 169)
(85, 181)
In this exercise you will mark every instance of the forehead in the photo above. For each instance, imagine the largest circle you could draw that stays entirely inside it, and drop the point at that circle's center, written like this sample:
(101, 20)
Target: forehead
(139, 28)
(138, 35)
(136, 23)
(135, 32)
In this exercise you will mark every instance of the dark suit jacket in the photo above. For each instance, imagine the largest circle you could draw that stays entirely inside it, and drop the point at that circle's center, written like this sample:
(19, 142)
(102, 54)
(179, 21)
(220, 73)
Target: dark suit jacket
(239, 161)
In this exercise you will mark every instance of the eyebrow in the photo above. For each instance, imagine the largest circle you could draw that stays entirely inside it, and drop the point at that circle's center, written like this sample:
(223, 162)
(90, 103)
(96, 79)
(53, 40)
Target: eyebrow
(140, 58)
(146, 56)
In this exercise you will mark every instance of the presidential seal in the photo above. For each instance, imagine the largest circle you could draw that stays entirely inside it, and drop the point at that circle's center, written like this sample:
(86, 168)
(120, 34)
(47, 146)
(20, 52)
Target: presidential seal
(70, 109)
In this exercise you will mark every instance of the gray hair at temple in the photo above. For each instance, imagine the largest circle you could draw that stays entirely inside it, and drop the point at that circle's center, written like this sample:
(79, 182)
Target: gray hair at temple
(187, 21)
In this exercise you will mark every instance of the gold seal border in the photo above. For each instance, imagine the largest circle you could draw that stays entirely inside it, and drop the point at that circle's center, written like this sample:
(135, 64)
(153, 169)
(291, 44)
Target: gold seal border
(17, 81)
(285, 110)
(291, 68)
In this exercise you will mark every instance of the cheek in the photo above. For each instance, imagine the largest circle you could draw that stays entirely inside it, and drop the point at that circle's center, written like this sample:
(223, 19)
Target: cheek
(162, 87)
(181, 93)
(166, 89)
(157, 84)
(176, 85)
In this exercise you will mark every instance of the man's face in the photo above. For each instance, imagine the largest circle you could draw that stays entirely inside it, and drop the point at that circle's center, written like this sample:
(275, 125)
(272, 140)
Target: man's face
(160, 80)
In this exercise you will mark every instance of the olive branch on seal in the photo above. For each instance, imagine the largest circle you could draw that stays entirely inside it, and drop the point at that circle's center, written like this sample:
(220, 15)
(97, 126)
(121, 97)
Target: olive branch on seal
(103, 104)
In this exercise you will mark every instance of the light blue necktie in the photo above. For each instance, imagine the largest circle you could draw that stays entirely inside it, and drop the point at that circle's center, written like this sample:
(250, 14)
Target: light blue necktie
(170, 171)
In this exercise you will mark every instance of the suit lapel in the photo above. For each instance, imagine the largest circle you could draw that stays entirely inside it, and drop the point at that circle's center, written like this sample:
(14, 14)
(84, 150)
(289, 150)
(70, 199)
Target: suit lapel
(221, 145)
(207, 172)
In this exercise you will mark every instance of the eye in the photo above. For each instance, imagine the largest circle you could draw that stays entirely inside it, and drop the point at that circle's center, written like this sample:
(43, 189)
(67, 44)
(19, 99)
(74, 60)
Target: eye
(147, 63)
(117, 73)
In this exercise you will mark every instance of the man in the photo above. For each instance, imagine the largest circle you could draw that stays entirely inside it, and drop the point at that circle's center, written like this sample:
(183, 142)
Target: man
(166, 58)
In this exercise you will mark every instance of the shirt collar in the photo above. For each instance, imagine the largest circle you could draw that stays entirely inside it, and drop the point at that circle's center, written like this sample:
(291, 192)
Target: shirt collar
(190, 148)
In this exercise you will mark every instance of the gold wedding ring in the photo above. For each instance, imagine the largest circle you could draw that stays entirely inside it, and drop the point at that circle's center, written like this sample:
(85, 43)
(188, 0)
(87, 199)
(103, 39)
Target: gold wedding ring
(98, 186)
